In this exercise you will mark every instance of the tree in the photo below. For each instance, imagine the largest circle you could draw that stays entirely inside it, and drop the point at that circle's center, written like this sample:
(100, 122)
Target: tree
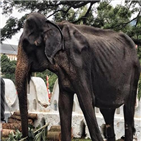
(71, 11)
(47, 8)
(8, 68)
(81, 15)
(3, 59)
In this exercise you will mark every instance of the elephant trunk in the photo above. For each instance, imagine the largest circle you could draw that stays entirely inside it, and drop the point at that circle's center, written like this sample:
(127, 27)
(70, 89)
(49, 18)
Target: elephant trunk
(22, 71)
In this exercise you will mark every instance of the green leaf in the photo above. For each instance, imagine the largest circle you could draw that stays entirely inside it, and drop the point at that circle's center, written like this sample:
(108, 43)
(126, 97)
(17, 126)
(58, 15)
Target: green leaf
(18, 135)
(44, 135)
(38, 136)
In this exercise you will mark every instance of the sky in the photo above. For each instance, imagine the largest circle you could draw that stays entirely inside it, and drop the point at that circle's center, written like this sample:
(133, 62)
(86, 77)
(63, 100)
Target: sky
(14, 40)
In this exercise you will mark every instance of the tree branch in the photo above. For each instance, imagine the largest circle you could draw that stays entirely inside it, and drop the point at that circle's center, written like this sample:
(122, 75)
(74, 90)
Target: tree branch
(138, 18)
(86, 14)
(125, 24)
(79, 4)
(60, 10)
(88, 11)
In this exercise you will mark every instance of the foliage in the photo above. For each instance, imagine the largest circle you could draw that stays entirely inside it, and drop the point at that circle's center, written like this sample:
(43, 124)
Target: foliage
(34, 134)
(80, 12)
(75, 16)
(13, 25)
(112, 18)
(118, 18)
(52, 77)
(15, 137)
(47, 8)
(8, 68)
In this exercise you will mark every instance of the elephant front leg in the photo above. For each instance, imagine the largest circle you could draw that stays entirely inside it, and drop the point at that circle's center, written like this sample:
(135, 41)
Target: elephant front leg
(89, 114)
(65, 110)
(84, 93)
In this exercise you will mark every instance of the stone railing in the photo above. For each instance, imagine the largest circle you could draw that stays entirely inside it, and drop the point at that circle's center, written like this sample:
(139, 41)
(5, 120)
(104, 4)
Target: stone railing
(36, 92)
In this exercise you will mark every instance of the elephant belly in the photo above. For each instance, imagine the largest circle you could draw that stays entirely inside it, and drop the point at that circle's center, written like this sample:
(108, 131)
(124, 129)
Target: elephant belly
(110, 95)
(108, 102)
(111, 84)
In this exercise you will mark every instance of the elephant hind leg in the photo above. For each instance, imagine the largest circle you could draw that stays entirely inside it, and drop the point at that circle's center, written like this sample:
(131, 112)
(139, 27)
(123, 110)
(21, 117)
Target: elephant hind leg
(129, 107)
(90, 117)
(108, 115)
(84, 91)
(129, 122)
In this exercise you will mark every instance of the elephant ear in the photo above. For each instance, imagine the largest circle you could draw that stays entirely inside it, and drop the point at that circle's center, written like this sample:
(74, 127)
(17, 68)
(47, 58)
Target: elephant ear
(54, 41)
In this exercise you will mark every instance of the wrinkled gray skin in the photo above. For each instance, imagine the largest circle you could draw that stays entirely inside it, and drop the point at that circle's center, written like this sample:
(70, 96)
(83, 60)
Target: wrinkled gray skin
(101, 66)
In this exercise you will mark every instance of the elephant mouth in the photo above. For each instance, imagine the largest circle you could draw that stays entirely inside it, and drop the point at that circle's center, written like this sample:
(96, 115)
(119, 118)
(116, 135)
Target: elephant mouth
(40, 67)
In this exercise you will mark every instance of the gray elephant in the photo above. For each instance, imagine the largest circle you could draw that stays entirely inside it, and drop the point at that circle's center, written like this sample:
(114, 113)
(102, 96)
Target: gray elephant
(100, 66)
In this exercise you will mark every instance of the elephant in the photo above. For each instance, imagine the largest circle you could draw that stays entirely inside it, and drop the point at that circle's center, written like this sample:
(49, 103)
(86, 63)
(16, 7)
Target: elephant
(99, 65)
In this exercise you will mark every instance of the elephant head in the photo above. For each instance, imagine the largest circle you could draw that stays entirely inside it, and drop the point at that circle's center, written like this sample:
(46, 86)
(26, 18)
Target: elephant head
(39, 42)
